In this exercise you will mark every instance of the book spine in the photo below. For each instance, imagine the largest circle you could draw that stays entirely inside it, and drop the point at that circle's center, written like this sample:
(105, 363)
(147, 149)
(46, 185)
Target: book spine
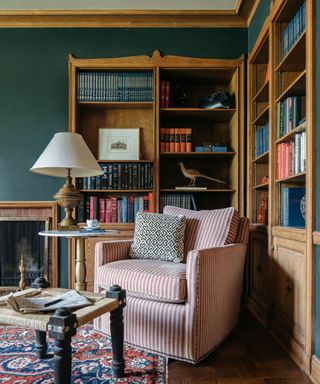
(108, 215)
(163, 94)
(188, 139)
(162, 140)
(177, 144)
(167, 98)
(183, 137)
(102, 210)
(114, 209)
(172, 139)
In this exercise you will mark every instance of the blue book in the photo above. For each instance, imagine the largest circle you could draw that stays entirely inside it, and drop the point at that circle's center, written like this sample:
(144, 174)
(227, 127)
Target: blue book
(125, 209)
(292, 216)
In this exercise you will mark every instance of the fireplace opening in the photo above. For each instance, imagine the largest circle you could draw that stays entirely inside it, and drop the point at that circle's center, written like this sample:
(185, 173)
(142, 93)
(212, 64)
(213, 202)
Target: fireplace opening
(18, 236)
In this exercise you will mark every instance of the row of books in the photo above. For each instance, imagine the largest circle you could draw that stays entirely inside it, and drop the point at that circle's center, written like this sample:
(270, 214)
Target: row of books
(114, 86)
(292, 156)
(115, 209)
(175, 139)
(120, 176)
(262, 140)
(182, 200)
(292, 212)
(294, 29)
(165, 94)
(291, 113)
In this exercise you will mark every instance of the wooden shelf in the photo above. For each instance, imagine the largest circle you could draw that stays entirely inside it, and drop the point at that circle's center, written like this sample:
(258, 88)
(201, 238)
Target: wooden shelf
(295, 59)
(264, 158)
(299, 177)
(125, 161)
(219, 155)
(262, 118)
(115, 190)
(117, 105)
(218, 115)
(288, 10)
(261, 186)
(291, 134)
(190, 190)
(263, 93)
(296, 88)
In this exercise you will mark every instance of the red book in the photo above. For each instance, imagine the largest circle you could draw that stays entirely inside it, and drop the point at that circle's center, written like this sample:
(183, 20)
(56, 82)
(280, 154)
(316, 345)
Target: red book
(268, 72)
(172, 139)
(150, 202)
(93, 204)
(188, 140)
(130, 209)
(114, 209)
(163, 94)
(162, 139)
(167, 98)
(167, 140)
(102, 210)
(183, 138)
(278, 161)
(177, 143)
(108, 216)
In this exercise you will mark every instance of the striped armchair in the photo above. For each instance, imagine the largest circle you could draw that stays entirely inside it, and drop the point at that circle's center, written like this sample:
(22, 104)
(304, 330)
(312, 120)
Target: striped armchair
(181, 310)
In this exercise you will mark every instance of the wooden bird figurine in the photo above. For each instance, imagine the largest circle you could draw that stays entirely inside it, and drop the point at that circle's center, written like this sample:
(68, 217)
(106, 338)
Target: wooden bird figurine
(193, 174)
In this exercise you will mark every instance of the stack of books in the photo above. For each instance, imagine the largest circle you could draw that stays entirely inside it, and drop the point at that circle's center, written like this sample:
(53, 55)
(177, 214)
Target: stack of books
(175, 139)
(291, 113)
(262, 140)
(114, 86)
(114, 209)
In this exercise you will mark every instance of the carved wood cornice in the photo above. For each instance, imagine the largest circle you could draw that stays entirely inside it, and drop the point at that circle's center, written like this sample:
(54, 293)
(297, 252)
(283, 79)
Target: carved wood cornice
(237, 18)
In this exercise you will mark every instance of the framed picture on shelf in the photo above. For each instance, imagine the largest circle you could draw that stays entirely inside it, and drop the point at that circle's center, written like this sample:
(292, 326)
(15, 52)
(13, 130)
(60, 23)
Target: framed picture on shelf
(119, 144)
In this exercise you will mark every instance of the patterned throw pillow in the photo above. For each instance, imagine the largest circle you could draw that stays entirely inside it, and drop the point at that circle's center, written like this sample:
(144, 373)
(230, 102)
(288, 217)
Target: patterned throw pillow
(158, 237)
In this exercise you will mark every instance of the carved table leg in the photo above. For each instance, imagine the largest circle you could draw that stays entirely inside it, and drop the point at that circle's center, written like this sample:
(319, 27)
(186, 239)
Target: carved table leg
(62, 326)
(41, 345)
(80, 265)
(116, 325)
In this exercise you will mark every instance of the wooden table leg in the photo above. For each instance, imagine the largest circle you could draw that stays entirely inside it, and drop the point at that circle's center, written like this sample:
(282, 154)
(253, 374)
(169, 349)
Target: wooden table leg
(80, 265)
(42, 345)
(116, 325)
(62, 326)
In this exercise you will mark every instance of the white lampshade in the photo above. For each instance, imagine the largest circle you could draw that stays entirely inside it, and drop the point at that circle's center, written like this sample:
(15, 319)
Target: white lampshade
(67, 150)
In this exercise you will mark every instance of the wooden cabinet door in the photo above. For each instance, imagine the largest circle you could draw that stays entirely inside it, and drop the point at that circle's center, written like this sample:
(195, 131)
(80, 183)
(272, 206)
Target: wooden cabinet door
(289, 290)
(258, 267)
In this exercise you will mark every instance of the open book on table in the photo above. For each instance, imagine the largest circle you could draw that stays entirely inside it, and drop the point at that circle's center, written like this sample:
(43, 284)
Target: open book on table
(71, 299)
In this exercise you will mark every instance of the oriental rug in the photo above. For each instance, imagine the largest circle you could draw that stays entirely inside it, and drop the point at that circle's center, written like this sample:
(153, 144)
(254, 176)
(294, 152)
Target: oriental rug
(91, 360)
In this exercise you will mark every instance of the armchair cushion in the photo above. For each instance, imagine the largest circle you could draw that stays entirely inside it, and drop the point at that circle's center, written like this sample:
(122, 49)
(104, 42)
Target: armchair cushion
(147, 279)
(158, 237)
(207, 229)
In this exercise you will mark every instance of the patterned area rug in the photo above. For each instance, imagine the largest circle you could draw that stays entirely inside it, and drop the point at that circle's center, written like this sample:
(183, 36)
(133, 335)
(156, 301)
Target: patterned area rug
(91, 360)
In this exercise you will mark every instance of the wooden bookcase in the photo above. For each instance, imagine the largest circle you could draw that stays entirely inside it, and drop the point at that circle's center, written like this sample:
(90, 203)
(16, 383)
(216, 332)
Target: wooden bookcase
(258, 162)
(225, 126)
(281, 260)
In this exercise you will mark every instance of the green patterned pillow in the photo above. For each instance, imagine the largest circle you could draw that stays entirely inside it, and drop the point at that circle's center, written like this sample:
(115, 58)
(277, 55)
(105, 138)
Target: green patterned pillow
(158, 237)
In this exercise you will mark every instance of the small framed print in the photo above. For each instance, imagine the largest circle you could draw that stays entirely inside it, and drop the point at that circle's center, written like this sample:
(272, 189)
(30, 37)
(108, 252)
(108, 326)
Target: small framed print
(119, 144)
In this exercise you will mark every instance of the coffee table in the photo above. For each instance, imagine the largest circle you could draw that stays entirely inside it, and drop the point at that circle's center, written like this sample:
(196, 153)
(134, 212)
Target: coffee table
(62, 325)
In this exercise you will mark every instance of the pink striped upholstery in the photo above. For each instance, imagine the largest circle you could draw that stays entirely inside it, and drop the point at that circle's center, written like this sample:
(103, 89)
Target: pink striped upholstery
(243, 231)
(148, 279)
(207, 229)
(191, 330)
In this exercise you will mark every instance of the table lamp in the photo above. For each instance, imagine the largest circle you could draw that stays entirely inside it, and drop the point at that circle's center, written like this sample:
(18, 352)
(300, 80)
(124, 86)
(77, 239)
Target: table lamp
(67, 155)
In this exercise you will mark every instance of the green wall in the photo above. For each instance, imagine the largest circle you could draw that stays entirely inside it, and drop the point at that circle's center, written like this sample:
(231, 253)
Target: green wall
(34, 89)
(257, 22)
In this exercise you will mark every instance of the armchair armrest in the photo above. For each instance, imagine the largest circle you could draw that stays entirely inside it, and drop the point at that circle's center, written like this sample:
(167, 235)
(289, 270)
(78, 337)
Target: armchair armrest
(214, 283)
(108, 251)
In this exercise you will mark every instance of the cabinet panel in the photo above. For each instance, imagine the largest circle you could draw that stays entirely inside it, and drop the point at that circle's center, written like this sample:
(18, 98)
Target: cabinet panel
(289, 289)
(258, 300)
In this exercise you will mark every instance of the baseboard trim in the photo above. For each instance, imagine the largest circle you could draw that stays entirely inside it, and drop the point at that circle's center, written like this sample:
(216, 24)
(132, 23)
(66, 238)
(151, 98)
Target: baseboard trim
(315, 369)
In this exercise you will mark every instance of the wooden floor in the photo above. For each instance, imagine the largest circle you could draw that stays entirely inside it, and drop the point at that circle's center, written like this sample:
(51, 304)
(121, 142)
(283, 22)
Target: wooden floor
(249, 356)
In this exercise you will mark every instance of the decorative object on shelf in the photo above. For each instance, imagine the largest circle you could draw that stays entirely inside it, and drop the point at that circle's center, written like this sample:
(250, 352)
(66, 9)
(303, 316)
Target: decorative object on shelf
(67, 155)
(193, 174)
(22, 283)
(217, 100)
(207, 147)
(265, 180)
(180, 98)
(262, 213)
(119, 144)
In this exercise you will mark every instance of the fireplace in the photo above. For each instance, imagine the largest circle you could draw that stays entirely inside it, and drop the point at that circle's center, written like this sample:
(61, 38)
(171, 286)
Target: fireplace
(20, 223)
(21, 238)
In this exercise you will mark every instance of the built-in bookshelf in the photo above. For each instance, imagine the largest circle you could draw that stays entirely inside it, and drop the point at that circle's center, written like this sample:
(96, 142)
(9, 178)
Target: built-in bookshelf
(281, 92)
(259, 130)
(202, 138)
